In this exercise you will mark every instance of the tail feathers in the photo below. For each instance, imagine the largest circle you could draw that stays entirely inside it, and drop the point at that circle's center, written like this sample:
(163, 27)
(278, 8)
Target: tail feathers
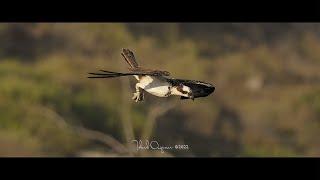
(108, 74)
(130, 59)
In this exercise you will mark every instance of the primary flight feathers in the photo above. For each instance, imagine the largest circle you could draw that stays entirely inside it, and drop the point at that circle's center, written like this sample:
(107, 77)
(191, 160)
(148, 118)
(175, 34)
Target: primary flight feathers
(129, 57)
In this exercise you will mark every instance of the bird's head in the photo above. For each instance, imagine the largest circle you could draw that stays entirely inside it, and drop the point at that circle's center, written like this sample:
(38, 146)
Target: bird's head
(183, 90)
(188, 91)
(190, 95)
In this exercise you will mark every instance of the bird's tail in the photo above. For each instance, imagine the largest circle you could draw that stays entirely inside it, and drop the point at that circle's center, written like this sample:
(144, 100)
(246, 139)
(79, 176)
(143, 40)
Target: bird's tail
(109, 74)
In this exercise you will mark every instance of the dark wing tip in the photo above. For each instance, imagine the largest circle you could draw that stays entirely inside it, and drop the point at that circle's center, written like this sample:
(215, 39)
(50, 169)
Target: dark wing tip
(125, 50)
(129, 57)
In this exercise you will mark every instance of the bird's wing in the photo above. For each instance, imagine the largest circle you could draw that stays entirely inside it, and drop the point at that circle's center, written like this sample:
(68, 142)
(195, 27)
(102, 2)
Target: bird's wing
(199, 88)
(130, 59)
(189, 82)
(110, 74)
(134, 66)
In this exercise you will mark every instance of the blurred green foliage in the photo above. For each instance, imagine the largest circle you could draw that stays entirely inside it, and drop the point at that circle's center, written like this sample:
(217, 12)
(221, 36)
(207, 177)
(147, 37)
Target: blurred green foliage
(266, 103)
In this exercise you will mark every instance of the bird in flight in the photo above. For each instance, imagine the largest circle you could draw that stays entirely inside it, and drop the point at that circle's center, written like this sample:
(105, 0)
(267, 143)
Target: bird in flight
(157, 82)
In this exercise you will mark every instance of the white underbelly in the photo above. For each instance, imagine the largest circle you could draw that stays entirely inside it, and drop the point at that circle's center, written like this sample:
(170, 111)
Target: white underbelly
(160, 91)
(155, 86)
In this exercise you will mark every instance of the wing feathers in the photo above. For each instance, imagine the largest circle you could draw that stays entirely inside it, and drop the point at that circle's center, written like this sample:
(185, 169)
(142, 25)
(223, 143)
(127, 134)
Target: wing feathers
(134, 67)
(130, 59)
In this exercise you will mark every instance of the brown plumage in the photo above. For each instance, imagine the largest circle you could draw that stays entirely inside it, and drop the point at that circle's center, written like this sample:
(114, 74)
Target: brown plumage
(129, 57)
(134, 66)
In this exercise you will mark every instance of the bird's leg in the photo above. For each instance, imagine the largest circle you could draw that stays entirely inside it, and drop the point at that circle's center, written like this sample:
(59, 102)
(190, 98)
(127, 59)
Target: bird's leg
(139, 94)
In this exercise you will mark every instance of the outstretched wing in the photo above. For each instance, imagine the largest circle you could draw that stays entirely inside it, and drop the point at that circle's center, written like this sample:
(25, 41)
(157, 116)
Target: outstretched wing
(110, 74)
(134, 66)
(199, 88)
(129, 57)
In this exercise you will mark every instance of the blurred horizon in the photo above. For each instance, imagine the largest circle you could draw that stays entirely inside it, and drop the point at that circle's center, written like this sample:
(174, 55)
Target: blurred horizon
(266, 102)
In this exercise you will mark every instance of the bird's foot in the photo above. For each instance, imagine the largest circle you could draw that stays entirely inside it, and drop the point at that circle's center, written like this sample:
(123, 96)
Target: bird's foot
(138, 96)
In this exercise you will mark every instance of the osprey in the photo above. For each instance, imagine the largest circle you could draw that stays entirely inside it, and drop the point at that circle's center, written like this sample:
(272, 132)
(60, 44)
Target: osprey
(157, 82)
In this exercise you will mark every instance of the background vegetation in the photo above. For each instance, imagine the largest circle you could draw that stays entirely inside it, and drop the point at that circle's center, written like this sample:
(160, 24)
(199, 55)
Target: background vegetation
(266, 103)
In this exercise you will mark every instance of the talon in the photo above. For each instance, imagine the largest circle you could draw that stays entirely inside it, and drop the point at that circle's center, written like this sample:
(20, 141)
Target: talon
(137, 96)
(141, 97)
(134, 97)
